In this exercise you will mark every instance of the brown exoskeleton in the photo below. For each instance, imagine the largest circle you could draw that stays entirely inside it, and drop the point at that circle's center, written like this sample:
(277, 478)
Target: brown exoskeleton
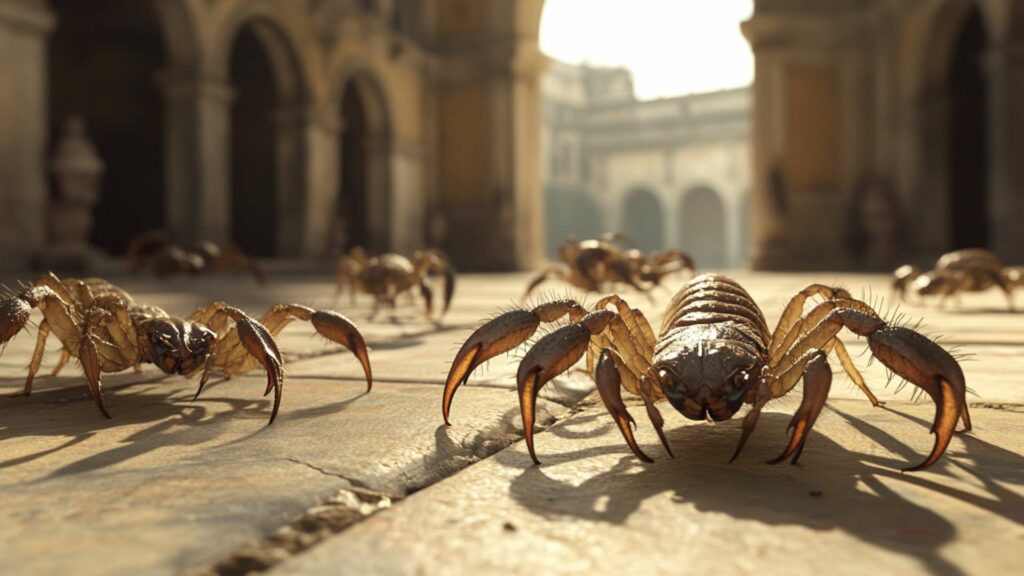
(592, 265)
(154, 250)
(970, 270)
(102, 326)
(387, 276)
(714, 353)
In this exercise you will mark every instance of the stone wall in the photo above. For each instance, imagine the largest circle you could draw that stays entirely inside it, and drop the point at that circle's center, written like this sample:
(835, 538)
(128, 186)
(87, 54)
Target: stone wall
(420, 77)
(23, 128)
(856, 120)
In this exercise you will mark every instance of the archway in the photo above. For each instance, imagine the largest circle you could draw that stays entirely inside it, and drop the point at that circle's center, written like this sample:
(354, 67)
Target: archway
(103, 60)
(642, 220)
(363, 205)
(703, 234)
(351, 203)
(254, 170)
(968, 136)
(571, 213)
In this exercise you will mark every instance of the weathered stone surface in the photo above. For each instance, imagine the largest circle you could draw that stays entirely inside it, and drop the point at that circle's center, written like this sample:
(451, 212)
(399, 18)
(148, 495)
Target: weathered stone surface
(592, 508)
(170, 485)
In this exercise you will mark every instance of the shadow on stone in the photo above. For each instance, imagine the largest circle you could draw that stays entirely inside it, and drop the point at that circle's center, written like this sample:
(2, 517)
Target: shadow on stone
(825, 492)
(176, 420)
(988, 463)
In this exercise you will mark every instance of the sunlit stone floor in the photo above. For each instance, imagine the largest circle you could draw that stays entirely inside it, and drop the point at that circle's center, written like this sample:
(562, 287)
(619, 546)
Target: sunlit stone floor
(175, 486)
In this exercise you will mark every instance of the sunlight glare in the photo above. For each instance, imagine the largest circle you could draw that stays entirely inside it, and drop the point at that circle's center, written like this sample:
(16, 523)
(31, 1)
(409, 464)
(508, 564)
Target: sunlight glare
(673, 47)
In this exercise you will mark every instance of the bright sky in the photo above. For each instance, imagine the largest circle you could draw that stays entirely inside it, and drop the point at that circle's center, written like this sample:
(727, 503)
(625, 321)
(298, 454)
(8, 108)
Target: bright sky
(673, 47)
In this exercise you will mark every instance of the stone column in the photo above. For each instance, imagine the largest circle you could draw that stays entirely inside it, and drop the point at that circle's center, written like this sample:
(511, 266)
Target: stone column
(198, 161)
(672, 202)
(409, 213)
(930, 195)
(530, 216)
(322, 180)
(490, 158)
(769, 195)
(24, 30)
(380, 209)
(1006, 151)
(810, 133)
(733, 233)
(297, 135)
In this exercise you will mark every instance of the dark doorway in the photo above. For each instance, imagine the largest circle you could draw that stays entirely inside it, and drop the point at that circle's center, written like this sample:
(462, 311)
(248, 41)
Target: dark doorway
(103, 59)
(253, 147)
(968, 162)
(643, 221)
(353, 213)
(571, 213)
(703, 228)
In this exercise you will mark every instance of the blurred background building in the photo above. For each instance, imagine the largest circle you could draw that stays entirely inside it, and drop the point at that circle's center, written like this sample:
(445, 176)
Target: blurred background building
(293, 128)
(669, 172)
(877, 130)
(885, 129)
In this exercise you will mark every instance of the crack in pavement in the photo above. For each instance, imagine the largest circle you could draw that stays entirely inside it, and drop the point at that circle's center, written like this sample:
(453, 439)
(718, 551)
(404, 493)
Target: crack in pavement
(357, 501)
(1004, 406)
(350, 505)
(360, 489)
(317, 524)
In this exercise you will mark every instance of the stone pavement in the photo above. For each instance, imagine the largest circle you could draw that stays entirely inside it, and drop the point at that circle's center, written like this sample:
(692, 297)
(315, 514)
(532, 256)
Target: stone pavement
(174, 486)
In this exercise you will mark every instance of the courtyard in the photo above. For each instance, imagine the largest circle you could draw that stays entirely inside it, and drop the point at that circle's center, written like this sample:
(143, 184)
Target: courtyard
(373, 483)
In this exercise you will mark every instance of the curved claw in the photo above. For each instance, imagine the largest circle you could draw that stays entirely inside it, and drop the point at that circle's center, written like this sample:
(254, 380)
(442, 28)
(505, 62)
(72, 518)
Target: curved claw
(495, 337)
(549, 357)
(560, 272)
(435, 262)
(449, 287)
(749, 422)
(428, 299)
(817, 382)
(260, 344)
(210, 361)
(928, 366)
(90, 359)
(338, 328)
(609, 384)
(653, 414)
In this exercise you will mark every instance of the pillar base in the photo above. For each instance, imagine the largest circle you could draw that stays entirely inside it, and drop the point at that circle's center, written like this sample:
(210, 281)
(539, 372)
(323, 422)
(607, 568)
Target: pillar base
(481, 239)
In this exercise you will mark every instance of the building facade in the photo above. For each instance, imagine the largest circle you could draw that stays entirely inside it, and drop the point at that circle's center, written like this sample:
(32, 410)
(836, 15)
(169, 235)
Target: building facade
(886, 130)
(668, 173)
(289, 127)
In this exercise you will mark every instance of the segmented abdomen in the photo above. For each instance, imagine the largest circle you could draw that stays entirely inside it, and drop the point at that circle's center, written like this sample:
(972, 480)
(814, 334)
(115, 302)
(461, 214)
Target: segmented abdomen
(713, 307)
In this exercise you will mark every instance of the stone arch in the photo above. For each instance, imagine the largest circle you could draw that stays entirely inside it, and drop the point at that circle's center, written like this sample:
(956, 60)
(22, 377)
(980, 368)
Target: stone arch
(703, 232)
(643, 219)
(281, 38)
(363, 204)
(181, 39)
(955, 124)
(969, 135)
(104, 64)
(571, 213)
(267, 158)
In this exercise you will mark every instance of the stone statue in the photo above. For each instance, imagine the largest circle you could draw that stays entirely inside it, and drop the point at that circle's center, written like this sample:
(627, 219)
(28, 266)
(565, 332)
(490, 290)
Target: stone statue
(77, 171)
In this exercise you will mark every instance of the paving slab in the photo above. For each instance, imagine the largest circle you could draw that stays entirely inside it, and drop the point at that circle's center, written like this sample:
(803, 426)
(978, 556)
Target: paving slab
(592, 508)
(173, 486)
(170, 485)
